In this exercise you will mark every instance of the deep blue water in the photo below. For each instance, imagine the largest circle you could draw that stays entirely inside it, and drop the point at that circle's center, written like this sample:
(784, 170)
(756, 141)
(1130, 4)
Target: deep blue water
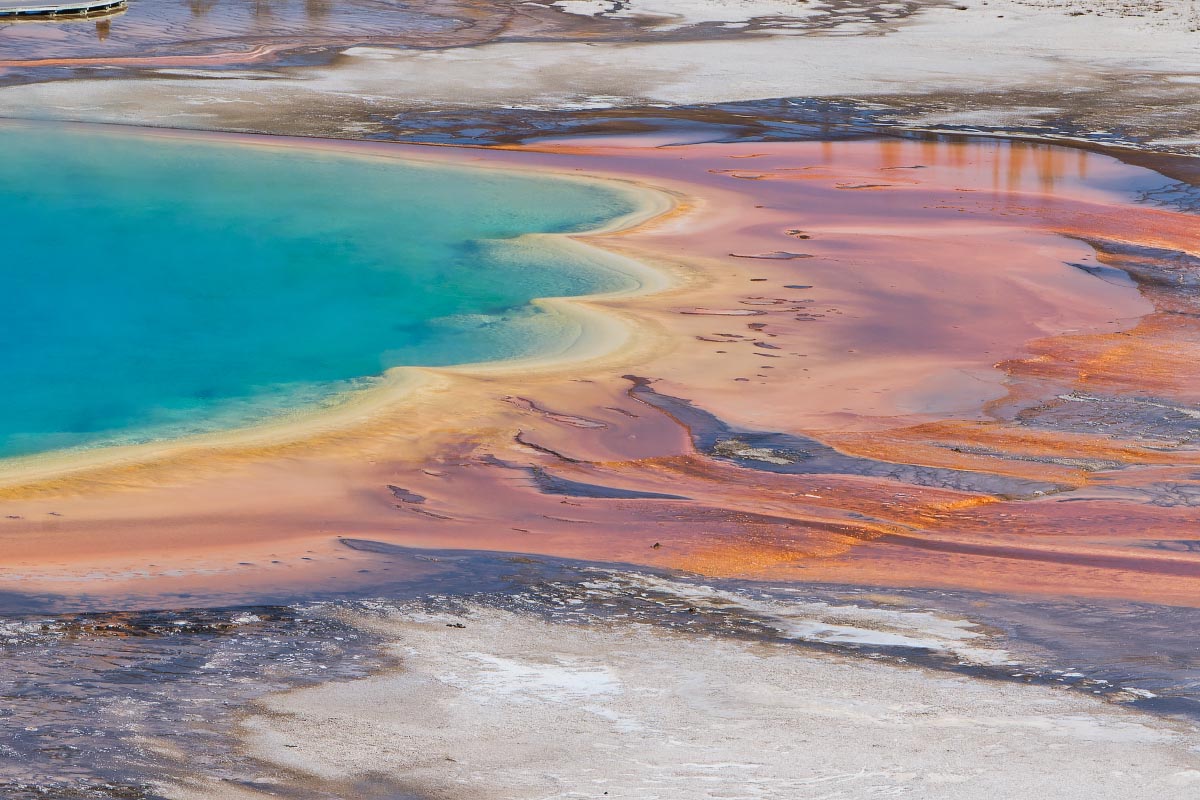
(153, 288)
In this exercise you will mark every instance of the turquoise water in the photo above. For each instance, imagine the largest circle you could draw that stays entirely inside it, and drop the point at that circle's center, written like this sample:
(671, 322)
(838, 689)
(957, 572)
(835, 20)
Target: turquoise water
(156, 288)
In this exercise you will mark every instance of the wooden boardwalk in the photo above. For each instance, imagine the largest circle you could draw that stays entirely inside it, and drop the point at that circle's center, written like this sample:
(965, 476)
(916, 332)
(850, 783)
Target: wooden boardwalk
(41, 8)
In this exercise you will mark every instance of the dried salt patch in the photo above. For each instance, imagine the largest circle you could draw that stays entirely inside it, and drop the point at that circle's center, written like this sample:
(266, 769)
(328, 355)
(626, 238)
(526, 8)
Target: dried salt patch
(1186, 777)
(696, 716)
(670, 15)
(370, 53)
(560, 682)
(731, 448)
(827, 623)
(218, 74)
(775, 255)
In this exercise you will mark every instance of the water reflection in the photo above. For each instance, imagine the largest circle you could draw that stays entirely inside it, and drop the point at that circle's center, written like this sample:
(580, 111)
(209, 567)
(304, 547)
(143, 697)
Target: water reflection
(34, 28)
(1031, 171)
(206, 26)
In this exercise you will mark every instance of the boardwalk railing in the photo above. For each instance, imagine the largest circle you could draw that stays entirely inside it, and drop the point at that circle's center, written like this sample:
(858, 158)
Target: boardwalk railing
(39, 8)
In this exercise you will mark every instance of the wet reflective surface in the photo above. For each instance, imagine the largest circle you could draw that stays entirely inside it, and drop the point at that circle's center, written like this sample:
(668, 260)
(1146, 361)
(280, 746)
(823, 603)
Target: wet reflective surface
(250, 30)
(801, 470)
(205, 27)
(969, 372)
(926, 401)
